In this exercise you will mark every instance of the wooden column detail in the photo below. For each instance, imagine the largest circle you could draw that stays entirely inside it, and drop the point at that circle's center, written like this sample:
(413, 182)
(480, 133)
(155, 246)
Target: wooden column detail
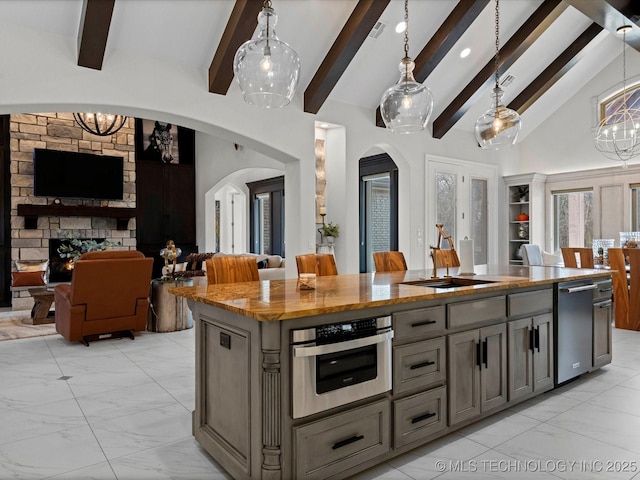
(271, 416)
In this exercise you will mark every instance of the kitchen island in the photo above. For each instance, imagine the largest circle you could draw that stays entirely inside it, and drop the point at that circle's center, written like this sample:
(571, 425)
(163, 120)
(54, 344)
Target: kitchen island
(423, 360)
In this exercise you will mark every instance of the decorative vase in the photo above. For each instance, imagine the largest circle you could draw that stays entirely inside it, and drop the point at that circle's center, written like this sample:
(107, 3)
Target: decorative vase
(330, 240)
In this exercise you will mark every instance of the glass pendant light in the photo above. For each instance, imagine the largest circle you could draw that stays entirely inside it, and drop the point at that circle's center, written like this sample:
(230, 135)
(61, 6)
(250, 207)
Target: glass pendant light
(499, 126)
(618, 134)
(100, 124)
(407, 106)
(266, 68)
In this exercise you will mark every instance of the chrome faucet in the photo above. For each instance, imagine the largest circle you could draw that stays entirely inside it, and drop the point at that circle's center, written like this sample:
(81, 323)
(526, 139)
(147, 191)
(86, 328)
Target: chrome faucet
(434, 257)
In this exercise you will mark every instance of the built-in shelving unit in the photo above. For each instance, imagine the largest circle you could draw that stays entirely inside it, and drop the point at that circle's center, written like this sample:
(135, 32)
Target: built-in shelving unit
(32, 212)
(525, 213)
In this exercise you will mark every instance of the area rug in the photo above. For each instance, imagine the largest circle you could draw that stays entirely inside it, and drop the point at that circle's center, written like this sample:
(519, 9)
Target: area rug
(11, 326)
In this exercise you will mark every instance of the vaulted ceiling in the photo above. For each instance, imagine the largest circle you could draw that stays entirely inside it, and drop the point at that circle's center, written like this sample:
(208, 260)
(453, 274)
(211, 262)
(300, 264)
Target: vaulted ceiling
(350, 51)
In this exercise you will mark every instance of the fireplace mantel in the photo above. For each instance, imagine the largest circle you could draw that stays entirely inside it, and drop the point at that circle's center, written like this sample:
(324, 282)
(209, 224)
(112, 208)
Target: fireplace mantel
(32, 212)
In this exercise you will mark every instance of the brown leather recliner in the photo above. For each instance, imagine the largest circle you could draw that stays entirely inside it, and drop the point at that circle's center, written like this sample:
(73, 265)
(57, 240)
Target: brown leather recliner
(109, 293)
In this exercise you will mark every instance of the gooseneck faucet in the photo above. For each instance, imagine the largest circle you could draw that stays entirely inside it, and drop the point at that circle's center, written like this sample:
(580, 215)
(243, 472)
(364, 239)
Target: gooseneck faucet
(434, 257)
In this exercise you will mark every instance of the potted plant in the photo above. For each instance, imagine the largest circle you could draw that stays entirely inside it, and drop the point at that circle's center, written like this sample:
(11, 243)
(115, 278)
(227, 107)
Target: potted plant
(330, 231)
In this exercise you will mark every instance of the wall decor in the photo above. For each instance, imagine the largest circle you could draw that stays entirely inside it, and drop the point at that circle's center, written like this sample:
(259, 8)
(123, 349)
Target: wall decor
(321, 181)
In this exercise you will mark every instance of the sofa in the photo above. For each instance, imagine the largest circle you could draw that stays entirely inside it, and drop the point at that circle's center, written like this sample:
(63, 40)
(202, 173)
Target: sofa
(270, 267)
(108, 294)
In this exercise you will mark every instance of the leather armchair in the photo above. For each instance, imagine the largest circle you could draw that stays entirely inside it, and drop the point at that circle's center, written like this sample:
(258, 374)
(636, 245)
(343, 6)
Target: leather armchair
(109, 293)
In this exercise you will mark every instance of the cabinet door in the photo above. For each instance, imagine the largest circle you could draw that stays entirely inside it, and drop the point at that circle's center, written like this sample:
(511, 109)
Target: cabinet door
(463, 355)
(602, 313)
(520, 359)
(493, 371)
(543, 361)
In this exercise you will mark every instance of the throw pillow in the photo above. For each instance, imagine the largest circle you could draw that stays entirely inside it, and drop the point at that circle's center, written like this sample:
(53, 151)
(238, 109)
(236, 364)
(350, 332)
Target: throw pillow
(263, 264)
(33, 266)
(195, 260)
(27, 279)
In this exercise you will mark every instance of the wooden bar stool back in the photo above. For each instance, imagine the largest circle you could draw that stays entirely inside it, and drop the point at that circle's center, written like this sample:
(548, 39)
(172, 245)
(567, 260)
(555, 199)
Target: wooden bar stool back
(321, 264)
(389, 261)
(620, 288)
(231, 269)
(570, 260)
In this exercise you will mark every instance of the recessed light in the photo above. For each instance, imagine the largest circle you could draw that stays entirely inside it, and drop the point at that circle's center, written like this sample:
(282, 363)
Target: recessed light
(465, 53)
(401, 27)
(324, 125)
(624, 29)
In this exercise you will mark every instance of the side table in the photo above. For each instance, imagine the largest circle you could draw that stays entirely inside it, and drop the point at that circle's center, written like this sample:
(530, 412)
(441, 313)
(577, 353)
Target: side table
(42, 300)
(168, 313)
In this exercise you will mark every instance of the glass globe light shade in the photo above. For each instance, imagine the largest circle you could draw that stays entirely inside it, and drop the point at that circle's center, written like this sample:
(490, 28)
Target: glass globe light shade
(618, 135)
(499, 126)
(101, 124)
(406, 106)
(266, 68)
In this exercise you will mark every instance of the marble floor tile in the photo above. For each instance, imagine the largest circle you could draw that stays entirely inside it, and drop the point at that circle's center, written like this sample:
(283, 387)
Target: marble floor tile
(571, 455)
(604, 424)
(51, 454)
(498, 428)
(40, 419)
(125, 414)
(123, 436)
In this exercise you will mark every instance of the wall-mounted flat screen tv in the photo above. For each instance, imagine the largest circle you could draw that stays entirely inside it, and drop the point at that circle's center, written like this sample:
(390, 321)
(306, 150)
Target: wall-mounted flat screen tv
(77, 175)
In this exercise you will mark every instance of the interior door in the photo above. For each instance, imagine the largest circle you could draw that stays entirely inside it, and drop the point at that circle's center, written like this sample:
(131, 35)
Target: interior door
(460, 196)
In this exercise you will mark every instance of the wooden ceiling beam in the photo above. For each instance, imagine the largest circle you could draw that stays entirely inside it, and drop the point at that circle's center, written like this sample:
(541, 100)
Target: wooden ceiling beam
(515, 47)
(351, 37)
(612, 14)
(458, 21)
(95, 21)
(240, 27)
(554, 72)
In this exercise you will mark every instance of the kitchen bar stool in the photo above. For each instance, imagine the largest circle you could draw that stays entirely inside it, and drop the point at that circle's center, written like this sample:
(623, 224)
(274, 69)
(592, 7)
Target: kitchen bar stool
(626, 291)
(231, 269)
(569, 257)
(389, 261)
(319, 263)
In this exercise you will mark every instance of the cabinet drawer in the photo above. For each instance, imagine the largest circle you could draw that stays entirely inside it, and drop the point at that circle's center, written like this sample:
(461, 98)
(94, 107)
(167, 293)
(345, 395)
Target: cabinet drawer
(418, 323)
(464, 314)
(336, 443)
(419, 364)
(419, 416)
(528, 303)
(603, 291)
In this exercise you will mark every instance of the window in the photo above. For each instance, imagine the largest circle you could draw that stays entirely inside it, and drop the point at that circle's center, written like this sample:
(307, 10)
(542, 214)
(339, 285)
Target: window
(266, 212)
(610, 106)
(635, 207)
(573, 217)
(378, 208)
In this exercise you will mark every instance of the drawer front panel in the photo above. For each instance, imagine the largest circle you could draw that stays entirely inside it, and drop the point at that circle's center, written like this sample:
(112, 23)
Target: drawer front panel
(464, 314)
(603, 291)
(528, 303)
(336, 443)
(420, 364)
(419, 416)
(418, 323)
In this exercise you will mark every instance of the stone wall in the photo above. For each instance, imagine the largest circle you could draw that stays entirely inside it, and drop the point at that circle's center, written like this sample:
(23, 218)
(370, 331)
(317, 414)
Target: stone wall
(58, 131)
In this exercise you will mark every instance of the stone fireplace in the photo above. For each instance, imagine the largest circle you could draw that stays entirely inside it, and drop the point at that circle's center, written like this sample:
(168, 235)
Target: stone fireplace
(58, 131)
(60, 269)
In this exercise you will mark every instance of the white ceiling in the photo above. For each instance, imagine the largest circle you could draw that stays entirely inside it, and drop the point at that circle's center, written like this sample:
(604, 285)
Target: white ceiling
(186, 33)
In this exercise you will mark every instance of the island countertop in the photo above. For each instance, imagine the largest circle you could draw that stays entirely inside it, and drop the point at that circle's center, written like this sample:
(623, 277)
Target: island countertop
(283, 299)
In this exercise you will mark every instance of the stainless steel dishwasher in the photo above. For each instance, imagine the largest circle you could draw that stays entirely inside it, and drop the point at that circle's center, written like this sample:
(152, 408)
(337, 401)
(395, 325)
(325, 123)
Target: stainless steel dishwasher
(573, 328)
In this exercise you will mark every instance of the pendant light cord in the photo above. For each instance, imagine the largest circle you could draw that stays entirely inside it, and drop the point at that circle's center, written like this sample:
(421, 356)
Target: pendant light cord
(624, 68)
(406, 41)
(497, 60)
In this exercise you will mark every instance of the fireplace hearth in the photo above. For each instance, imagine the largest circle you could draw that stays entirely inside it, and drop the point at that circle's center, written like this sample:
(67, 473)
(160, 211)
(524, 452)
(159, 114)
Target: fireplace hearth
(61, 269)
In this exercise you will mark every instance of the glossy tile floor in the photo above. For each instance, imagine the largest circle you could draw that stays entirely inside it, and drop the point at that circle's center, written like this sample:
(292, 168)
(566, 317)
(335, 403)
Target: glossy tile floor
(121, 409)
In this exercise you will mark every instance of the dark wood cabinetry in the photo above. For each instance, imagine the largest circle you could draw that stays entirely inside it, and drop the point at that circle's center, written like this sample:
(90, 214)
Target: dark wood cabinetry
(165, 199)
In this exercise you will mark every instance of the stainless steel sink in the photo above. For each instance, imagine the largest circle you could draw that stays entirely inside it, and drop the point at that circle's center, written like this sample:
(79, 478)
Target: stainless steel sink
(451, 282)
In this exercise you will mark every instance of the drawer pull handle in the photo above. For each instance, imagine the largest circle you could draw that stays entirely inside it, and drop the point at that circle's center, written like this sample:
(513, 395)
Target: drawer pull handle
(343, 443)
(423, 364)
(422, 417)
(606, 289)
(421, 324)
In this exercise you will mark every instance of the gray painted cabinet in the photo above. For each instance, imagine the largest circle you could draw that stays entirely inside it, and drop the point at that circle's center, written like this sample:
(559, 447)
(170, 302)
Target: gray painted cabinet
(602, 332)
(530, 355)
(477, 371)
